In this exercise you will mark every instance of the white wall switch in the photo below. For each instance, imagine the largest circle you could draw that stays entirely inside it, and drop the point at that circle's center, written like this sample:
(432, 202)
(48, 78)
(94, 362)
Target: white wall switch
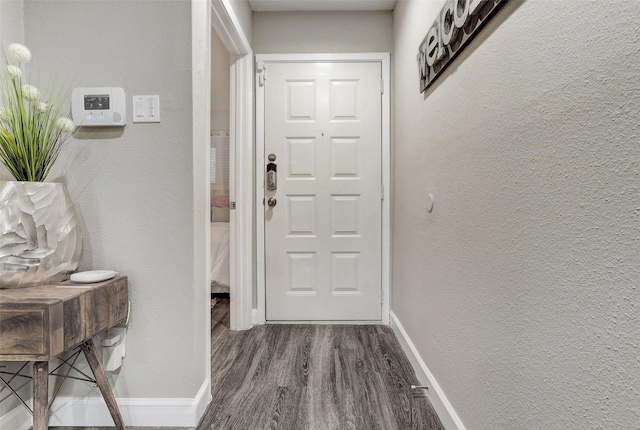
(146, 108)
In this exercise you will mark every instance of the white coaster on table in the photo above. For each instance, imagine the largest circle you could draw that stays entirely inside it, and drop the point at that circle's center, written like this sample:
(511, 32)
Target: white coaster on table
(92, 276)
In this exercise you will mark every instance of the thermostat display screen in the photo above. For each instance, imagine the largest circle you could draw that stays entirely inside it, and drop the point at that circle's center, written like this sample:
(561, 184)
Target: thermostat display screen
(99, 106)
(96, 102)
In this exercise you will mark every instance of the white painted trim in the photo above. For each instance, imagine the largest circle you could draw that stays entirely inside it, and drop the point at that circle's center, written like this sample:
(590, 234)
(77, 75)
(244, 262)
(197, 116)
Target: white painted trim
(385, 59)
(332, 322)
(337, 57)
(202, 399)
(259, 203)
(438, 399)
(201, 105)
(136, 412)
(386, 182)
(242, 170)
(227, 26)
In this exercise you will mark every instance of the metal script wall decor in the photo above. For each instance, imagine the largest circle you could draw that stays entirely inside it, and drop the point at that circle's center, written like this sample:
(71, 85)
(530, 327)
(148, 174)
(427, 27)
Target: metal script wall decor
(457, 23)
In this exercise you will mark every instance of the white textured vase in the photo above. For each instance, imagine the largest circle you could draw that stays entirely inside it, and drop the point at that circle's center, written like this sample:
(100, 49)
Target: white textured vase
(40, 240)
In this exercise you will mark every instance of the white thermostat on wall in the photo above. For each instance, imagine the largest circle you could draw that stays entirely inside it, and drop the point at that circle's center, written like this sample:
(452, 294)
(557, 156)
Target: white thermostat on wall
(99, 107)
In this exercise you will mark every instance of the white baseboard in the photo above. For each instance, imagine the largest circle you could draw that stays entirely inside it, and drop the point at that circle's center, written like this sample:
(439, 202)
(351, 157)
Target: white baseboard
(201, 400)
(440, 403)
(138, 412)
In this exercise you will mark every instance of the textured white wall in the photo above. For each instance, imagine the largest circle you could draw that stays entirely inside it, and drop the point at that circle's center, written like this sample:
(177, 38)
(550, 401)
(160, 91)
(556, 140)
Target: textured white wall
(318, 32)
(521, 288)
(11, 30)
(133, 188)
(242, 11)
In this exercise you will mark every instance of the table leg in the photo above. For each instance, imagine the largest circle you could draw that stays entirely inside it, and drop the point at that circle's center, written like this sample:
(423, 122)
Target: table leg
(40, 395)
(101, 379)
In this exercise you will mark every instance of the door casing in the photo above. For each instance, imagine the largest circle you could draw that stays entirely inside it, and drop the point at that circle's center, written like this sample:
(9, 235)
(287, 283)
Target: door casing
(226, 25)
(263, 60)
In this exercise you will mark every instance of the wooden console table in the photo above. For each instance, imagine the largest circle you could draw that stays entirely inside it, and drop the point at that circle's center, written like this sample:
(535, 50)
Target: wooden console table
(40, 323)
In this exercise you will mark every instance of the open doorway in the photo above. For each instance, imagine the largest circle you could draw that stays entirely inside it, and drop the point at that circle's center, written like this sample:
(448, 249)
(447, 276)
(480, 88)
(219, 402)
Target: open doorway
(227, 29)
(219, 172)
(209, 16)
(217, 16)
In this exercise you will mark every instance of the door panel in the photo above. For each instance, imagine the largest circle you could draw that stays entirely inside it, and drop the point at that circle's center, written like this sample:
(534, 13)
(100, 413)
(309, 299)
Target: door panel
(323, 236)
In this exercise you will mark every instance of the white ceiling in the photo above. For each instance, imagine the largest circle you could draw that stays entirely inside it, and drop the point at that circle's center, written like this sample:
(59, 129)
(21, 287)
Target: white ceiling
(319, 5)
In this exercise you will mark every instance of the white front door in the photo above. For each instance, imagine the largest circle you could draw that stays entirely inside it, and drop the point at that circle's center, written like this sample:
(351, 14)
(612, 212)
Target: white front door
(323, 222)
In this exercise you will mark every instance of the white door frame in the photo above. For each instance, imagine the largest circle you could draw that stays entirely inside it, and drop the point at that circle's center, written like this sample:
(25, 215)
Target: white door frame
(385, 59)
(201, 108)
(219, 15)
(228, 28)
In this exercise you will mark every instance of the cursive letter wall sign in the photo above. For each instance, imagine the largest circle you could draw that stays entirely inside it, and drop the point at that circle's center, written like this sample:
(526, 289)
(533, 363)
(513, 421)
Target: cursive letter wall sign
(455, 26)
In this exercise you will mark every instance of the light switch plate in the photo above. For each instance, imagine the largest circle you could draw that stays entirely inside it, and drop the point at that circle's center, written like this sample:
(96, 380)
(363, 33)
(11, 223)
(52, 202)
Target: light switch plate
(146, 108)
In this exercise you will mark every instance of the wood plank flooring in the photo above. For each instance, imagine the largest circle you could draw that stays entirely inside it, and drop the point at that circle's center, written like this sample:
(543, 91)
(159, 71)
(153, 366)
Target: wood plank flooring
(316, 377)
(306, 377)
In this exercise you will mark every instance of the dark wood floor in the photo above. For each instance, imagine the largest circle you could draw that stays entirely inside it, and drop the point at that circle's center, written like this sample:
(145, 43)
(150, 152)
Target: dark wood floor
(304, 377)
(317, 377)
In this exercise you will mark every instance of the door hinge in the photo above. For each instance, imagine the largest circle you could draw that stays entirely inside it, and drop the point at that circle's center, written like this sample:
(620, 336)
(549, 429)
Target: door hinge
(260, 70)
(232, 205)
(382, 192)
(381, 86)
